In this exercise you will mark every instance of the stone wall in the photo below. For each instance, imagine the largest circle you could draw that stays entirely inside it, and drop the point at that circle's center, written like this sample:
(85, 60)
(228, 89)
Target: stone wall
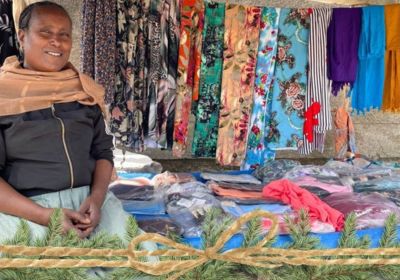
(377, 133)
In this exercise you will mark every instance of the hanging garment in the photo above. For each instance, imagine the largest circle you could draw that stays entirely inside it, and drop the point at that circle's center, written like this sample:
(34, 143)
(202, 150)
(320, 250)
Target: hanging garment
(8, 43)
(368, 87)
(342, 43)
(345, 140)
(241, 42)
(289, 88)
(17, 7)
(391, 96)
(207, 113)
(257, 152)
(129, 101)
(161, 76)
(317, 116)
(98, 43)
(299, 198)
(192, 13)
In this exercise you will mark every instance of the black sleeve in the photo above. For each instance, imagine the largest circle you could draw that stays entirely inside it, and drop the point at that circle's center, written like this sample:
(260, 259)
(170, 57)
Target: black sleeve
(102, 145)
(2, 151)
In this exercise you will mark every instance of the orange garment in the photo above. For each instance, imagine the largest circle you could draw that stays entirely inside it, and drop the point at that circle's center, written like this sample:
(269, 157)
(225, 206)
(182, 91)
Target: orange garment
(24, 90)
(192, 13)
(391, 96)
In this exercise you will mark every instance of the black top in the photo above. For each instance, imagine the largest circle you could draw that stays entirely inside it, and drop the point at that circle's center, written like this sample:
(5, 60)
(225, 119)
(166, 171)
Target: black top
(51, 150)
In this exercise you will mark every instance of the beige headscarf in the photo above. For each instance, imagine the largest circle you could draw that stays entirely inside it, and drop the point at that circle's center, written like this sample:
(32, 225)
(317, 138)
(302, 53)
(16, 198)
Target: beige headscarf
(23, 90)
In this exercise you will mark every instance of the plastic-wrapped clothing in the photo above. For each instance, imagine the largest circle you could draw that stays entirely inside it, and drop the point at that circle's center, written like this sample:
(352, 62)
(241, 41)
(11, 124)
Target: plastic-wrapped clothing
(169, 178)
(235, 193)
(187, 204)
(388, 183)
(371, 209)
(274, 170)
(237, 210)
(160, 225)
(125, 191)
(299, 198)
(221, 177)
(240, 187)
(308, 181)
(347, 169)
(316, 226)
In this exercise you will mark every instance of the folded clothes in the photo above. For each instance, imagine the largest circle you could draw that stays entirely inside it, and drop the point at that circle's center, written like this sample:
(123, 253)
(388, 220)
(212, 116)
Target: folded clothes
(236, 186)
(125, 191)
(170, 178)
(274, 170)
(238, 210)
(221, 177)
(388, 183)
(235, 193)
(298, 198)
(161, 226)
(313, 182)
(150, 207)
(371, 209)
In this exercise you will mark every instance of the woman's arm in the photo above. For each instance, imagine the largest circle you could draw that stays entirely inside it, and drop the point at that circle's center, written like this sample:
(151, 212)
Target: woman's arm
(14, 203)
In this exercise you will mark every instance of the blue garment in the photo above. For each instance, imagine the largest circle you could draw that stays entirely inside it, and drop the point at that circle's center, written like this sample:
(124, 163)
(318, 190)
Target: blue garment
(368, 88)
(257, 152)
(289, 89)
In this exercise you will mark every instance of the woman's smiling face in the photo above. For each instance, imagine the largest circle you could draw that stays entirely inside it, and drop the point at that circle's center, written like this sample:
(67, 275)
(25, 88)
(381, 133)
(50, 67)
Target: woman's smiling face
(47, 41)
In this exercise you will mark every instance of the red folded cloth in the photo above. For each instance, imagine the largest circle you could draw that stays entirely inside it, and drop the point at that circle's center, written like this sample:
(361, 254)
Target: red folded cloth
(298, 198)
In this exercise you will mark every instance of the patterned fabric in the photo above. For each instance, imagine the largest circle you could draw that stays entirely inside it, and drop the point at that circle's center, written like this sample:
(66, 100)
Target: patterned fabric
(368, 87)
(8, 44)
(240, 50)
(318, 87)
(129, 101)
(207, 113)
(289, 88)
(192, 13)
(391, 96)
(257, 152)
(98, 43)
(161, 76)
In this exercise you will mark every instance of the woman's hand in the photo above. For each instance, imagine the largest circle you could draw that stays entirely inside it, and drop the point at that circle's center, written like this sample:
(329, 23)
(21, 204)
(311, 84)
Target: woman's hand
(91, 209)
(71, 220)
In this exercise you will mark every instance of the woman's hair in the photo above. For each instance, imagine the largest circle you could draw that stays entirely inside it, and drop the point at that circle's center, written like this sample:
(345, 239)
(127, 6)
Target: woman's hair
(26, 14)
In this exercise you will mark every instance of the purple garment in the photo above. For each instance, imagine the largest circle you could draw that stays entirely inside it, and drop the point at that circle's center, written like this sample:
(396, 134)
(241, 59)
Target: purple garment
(342, 43)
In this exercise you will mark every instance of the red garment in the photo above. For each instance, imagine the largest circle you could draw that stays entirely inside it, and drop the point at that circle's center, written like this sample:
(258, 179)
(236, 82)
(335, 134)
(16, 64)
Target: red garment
(310, 120)
(298, 198)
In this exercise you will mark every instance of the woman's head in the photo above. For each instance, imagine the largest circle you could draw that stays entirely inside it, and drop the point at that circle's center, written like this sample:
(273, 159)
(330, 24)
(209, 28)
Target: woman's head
(45, 36)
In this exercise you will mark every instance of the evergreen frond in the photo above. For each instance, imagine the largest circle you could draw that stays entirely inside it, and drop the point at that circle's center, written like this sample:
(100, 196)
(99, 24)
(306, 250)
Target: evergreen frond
(349, 238)
(299, 232)
(389, 236)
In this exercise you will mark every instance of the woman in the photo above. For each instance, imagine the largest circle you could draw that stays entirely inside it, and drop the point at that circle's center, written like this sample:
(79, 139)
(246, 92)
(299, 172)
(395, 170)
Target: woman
(54, 151)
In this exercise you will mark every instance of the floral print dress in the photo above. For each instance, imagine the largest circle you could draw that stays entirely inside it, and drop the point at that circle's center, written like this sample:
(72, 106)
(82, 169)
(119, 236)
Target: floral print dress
(242, 25)
(289, 88)
(128, 104)
(207, 111)
(257, 150)
(191, 26)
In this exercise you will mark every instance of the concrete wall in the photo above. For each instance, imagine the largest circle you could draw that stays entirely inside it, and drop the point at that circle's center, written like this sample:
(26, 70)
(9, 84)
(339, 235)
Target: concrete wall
(377, 133)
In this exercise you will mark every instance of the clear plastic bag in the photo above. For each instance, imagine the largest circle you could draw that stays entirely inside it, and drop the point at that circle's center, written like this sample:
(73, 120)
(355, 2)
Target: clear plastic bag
(371, 209)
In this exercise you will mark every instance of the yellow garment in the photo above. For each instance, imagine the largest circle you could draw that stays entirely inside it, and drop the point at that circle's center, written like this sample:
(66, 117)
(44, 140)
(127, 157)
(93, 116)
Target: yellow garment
(391, 96)
(18, 7)
(23, 90)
